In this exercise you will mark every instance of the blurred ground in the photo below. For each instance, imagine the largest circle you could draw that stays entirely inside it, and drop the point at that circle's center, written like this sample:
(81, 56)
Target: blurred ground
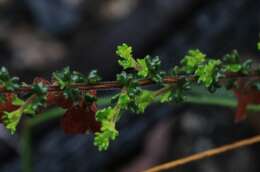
(38, 37)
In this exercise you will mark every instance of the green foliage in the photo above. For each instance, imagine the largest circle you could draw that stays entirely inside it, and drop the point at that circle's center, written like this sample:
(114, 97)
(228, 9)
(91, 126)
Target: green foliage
(66, 78)
(126, 57)
(93, 77)
(17, 101)
(107, 117)
(192, 60)
(154, 69)
(124, 78)
(146, 67)
(143, 70)
(32, 107)
(232, 62)
(11, 120)
(29, 107)
(166, 97)
(123, 100)
(8, 82)
(105, 114)
(246, 66)
(107, 133)
(207, 74)
(195, 68)
(143, 100)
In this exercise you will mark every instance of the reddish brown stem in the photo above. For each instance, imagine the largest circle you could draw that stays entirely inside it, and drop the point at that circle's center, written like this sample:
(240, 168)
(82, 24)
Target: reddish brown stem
(107, 85)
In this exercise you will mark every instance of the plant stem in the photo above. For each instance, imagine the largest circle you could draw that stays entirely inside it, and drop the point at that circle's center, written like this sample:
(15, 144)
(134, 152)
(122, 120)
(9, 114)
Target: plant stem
(108, 85)
(26, 138)
(25, 145)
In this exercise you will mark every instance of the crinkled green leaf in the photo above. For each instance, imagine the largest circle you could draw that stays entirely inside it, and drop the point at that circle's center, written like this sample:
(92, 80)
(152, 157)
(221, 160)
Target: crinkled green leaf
(126, 58)
(123, 100)
(192, 60)
(154, 69)
(40, 89)
(143, 100)
(93, 77)
(124, 78)
(206, 74)
(143, 70)
(108, 132)
(233, 68)
(105, 114)
(166, 97)
(17, 101)
(231, 62)
(65, 78)
(11, 120)
(8, 82)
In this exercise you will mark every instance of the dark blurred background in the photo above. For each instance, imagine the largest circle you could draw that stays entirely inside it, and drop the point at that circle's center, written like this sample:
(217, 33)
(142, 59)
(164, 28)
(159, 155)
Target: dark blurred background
(38, 37)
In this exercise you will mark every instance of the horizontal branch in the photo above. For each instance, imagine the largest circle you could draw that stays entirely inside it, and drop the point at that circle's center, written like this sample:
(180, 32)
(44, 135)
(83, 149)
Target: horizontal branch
(205, 154)
(107, 85)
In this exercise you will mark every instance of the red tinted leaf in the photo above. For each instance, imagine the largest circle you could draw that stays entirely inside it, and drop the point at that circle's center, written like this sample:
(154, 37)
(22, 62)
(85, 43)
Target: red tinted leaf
(7, 105)
(79, 119)
(54, 98)
(57, 98)
(245, 96)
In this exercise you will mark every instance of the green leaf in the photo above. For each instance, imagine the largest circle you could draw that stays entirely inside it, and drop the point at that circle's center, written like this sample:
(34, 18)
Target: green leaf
(31, 108)
(191, 61)
(123, 100)
(258, 46)
(207, 73)
(126, 58)
(11, 120)
(108, 132)
(8, 82)
(232, 58)
(105, 114)
(233, 68)
(62, 77)
(166, 97)
(143, 70)
(143, 100)
(40, 89)
(72, 94)
(17, 101)
(231, 62)
(93, 77)
(154, 71)
(65, 78)
(125, 79)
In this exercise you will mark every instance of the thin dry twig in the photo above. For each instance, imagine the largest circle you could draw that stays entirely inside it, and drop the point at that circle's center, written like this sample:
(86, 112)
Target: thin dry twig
(205, 154)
